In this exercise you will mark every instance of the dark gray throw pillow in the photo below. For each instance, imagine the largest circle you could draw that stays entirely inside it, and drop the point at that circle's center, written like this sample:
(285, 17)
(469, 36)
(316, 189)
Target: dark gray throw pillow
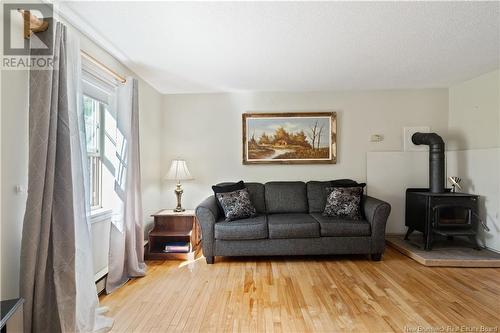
(344, 202)
(236, 204)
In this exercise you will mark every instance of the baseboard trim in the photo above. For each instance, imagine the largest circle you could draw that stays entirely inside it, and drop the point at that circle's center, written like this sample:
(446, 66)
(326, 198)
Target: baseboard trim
(101, 285)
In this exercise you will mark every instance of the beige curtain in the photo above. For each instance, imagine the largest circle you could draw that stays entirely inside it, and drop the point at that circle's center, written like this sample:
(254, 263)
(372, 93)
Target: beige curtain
(57, 279)
(126, 253)
(48, 243)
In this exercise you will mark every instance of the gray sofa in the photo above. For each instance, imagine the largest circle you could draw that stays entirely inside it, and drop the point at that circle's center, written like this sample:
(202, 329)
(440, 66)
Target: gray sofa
(290, 222)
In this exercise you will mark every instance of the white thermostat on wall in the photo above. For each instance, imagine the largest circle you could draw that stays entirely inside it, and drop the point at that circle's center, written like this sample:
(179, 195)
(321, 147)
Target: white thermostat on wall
(407, 134)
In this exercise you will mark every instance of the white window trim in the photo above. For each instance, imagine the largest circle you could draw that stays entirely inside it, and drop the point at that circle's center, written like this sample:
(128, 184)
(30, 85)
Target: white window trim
(96, 89)
(100, 215)
(100, 78)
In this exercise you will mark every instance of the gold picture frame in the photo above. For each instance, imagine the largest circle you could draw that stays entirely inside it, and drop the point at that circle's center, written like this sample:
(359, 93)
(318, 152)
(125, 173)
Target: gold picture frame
(290, 138)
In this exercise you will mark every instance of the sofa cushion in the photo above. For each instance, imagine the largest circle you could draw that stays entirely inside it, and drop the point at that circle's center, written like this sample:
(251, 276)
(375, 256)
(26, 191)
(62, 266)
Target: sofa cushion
(316, 192)
(292, 226)
(335, 227)
(286, 197)
(256, 191)
(251, 228)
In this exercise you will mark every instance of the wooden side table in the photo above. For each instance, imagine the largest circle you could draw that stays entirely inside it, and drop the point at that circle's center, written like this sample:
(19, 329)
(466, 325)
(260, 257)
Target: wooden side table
(170, 226)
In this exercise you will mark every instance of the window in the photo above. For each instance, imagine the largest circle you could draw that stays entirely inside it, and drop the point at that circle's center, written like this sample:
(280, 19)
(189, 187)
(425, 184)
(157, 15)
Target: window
(99, 100)
(93, 111)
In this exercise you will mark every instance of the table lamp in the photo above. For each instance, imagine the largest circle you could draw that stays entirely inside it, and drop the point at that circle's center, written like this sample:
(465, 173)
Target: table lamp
(178, 171)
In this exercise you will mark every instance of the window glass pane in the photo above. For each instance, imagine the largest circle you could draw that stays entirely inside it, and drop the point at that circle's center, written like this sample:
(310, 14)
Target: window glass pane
(95, 181)
(91, 112)
(110, 124)
(94, 138)
(121, 151)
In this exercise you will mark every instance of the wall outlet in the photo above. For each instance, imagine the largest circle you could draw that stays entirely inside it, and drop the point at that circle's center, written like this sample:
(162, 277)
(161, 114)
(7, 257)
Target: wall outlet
(407, 134)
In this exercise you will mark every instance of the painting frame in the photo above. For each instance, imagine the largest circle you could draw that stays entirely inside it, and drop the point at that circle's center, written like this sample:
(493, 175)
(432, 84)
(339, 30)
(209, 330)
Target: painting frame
(247, 141)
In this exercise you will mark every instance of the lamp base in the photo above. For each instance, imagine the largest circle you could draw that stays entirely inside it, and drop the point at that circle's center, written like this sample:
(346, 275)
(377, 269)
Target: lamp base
(178, 192)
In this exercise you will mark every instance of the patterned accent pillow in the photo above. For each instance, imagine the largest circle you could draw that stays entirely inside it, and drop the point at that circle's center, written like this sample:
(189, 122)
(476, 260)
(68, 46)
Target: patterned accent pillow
(344, 202)
(236, 204)
(227, 188)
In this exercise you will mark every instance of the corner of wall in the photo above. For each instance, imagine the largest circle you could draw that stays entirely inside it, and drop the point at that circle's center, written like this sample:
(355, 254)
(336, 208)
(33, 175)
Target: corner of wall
(474, 134)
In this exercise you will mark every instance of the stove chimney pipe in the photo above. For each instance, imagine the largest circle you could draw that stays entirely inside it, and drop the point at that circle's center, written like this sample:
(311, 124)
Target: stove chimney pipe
(436, 159)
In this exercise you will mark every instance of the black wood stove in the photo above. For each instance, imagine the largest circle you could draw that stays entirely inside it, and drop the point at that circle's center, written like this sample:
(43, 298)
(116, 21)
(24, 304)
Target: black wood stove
(438, 211)
(441, 214)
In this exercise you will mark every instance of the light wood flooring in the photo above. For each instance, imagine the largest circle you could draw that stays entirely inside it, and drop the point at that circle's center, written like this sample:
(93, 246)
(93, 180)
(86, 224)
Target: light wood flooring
(306, 294)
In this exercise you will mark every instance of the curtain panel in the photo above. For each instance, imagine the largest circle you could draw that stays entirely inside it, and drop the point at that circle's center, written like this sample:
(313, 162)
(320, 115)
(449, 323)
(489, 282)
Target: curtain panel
(48, 251)
(126, 253)
(57, 280)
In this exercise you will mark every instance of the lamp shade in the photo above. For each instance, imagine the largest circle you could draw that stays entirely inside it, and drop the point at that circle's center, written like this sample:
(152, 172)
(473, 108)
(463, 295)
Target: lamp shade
(178, 171)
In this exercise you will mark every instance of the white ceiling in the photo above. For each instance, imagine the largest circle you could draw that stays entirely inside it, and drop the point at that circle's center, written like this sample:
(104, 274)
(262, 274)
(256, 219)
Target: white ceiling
(188, 47)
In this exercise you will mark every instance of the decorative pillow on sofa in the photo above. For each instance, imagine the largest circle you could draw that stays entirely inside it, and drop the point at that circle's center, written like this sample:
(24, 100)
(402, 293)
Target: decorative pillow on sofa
(225, 189)
(344, 202)
(236, 204)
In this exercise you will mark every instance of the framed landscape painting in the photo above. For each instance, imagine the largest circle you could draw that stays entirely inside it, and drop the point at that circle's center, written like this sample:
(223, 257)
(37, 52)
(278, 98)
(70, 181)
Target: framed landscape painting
(289, 138)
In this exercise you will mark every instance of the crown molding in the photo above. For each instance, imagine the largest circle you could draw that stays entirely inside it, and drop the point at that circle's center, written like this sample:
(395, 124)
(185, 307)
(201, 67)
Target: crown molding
(68, 15)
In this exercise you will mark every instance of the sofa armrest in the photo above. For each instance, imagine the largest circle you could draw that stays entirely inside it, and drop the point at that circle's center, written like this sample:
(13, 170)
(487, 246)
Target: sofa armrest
(376, 212)
(207, 214)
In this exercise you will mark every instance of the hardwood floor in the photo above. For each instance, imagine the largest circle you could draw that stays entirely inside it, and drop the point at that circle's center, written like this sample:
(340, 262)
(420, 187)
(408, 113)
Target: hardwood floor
(307, 294)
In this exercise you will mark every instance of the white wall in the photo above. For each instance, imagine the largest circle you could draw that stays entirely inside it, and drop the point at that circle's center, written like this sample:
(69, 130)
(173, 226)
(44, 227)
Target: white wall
(480, 170)
(14, 172)
(150, 120)
(205, 129)
(474, 121)
(389, 174)
(14, 155)
(474, 114)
